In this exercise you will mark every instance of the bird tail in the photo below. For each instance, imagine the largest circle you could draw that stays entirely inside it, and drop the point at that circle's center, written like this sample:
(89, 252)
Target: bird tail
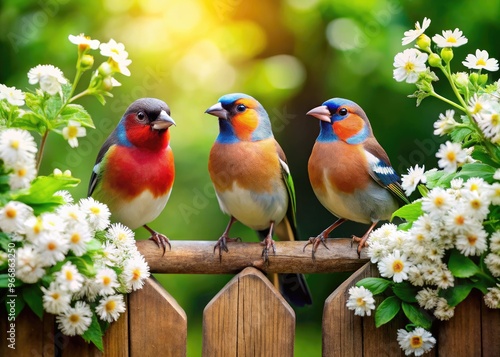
(292, 286)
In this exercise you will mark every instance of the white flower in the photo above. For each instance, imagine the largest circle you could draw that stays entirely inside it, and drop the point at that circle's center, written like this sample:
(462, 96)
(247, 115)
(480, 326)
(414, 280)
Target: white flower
(444, 311)
(492, 262)
(110, 308)
(29, 266)
(84, 41)
(376, 251)
(13, 215)
(72, 132)
(450, 39)
(121, 236)
(55, 299)
(52, 247)
(412, 35)
(394, 266)
(409, 64)
(413, 178)
(450, 155)
(361, 301)
(66, 196)
(110, 253)
(477, 204)
(443, 278)
(89, 291)
(415, 276)
(495, 242)
(135, 271)
(492, 298)
(71, 214)
(78, 235)
(488, 121)
(120, 66)
(97, 213)
(478, 104)
(481, 61)
(472, 242)
(17, 145)
(418, 341)
(119, 57)
(75, 320)
(457, 220)
(445, 123)
(107, 281)
(427, 298)
(12, 95)
(69, 277)
(50, 78)
(437, 202)
(495, 193)
(22, 175)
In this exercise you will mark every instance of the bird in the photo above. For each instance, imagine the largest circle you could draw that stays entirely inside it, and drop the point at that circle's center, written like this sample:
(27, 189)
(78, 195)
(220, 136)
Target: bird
(134, 171)
(350, 172)
(252, 182)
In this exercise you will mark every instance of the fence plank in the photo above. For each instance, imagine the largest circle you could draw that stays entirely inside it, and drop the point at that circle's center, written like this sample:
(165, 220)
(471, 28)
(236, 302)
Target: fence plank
(490, 330)
(198, 257)
(27, 333)
(249, 317)
(461, 335)
(157, 323)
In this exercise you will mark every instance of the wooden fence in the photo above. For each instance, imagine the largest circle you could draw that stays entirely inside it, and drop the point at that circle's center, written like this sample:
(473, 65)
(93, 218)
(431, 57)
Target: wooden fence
(248, 317)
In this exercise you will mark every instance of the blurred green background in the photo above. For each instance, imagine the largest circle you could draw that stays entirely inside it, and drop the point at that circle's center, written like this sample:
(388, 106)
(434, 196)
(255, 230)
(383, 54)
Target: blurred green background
(291, 55)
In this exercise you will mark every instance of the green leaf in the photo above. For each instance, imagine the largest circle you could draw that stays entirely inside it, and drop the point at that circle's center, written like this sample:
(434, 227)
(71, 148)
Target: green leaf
(387, 310)
(409, 212)
(77, 113)
(375, 285)
(42, 190)
(405, 291)
(84, 264)
(456, 294)
(29, 121)
(459, 135)
(94, 334)
(4, 281)
(461, 266)
(477, 169)
(417, 315)
(33, 297)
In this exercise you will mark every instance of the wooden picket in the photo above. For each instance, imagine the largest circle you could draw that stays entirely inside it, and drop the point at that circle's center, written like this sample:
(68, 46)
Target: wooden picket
(248, 317)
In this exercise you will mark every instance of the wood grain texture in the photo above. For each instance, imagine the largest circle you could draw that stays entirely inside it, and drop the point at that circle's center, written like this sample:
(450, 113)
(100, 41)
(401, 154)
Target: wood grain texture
(490, 330)
(198, 257)
(249, 317)
(157, 323)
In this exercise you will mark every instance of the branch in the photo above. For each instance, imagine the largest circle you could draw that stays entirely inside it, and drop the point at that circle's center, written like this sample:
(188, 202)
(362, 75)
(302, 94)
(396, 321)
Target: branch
(197, 257)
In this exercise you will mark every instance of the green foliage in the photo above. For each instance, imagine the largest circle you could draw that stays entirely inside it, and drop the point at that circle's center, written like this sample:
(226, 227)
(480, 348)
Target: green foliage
(387, 310)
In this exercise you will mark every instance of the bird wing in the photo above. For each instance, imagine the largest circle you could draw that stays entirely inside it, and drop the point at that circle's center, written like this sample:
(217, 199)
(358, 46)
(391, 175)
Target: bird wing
(381, 169)
(96, 170)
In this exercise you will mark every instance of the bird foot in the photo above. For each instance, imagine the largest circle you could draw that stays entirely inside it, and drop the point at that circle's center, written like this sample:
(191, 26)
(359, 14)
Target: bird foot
(222, 244)
(161, 241)
(315, 242)
(362, 243)
(268, 244)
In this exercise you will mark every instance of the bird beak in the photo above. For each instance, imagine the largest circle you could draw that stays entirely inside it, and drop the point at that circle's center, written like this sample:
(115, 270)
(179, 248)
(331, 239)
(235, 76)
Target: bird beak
(164, 121)
(217, 110)
(321, 112)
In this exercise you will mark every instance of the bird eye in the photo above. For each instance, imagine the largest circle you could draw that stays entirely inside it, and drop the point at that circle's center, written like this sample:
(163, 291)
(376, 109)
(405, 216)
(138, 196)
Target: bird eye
(241, 108)
(141, 115)
(342, 111)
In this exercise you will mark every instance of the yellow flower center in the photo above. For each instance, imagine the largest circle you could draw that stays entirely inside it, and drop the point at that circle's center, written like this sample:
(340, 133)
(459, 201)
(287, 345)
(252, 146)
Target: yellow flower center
(122, 236)
(476, 204)
(439, 201)
(409, 66)
(95, 210)
(110, 306)
(451, 156)
(51, 246)
(416, 342)
(106, 281)
(460, 220)
(14, 144)
(11, 212)
(481, 62)
(451, 39)
(73, 215)
(472, 239)
(55, 296)
(474, 187)
(74, 318)
(420, 237)
(136, 274)
(69, 275)
(21, 172)
(72, 131)
(495, 119)
(75, 238)
(398, 266)
(37, 228)
(360, 301)
(477, 108)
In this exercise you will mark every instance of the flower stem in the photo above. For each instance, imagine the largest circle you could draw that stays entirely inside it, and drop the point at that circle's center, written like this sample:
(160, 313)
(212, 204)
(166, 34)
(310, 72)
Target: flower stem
(40, 151)
(446, 100)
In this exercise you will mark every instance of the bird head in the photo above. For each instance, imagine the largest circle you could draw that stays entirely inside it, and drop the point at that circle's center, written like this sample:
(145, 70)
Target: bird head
(145, 124)
(342, 119)
(241, 118)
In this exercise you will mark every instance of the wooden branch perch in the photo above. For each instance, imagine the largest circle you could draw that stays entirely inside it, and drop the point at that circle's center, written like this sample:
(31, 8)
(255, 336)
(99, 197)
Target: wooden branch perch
(198, 257)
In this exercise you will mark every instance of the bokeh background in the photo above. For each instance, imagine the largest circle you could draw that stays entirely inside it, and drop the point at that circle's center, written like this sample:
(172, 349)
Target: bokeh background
(290, 54)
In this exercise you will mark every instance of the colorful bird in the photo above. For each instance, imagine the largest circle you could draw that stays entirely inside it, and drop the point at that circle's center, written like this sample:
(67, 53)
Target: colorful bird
(349, 171)
(252, 181)
(134, 170)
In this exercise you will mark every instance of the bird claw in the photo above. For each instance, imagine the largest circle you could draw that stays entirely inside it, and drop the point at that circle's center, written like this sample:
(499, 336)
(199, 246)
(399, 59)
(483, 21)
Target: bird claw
(362, 243)
(315, 242)
(268, 243)
(161, 241)
(222, 244)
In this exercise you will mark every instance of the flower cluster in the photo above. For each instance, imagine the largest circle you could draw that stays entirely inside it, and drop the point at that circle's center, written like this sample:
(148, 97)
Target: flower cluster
(449, 242)
(70, 260)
